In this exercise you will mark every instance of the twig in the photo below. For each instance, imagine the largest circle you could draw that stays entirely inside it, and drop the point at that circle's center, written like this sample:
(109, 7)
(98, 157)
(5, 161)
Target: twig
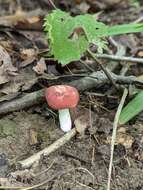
(53, 4)
(45, 152)
(115, 125)
(87, 66)
(101, 95)
(10, 187)
(56, 175)
(124, 69)
(121, 50)
(120, 58)
(60, 173)
(103, 68)
(138, 20)
(22, 102)
(84, 186)
(47, 169)
(44, 182)
(92, 81)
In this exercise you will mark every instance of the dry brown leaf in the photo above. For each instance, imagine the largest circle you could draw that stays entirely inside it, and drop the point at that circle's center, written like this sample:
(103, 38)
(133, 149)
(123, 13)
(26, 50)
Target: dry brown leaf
(140, 53)
(140, 77)
(33, 137)
(24, 81)
(80, 125)
(124, 139)
(82, 121)
(33, 23)
(139, 156)
(28, 56)
(22, 19)
(12, 19)
(40, 68)
(6, 67)
(121, 130)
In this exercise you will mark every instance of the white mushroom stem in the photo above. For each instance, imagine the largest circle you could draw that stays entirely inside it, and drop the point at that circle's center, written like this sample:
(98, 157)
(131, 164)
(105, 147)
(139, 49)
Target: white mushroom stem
(65, 120)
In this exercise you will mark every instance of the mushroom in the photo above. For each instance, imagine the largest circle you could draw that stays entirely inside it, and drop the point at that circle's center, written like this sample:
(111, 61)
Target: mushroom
(62, 98)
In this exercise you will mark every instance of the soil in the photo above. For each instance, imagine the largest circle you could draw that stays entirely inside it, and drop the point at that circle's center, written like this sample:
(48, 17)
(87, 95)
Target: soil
(83, 162)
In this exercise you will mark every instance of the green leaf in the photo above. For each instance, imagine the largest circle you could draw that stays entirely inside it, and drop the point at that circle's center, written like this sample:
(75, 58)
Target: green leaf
(135, 3)
(69, 37)
(124, 28)
(133, 108)
(59, 26)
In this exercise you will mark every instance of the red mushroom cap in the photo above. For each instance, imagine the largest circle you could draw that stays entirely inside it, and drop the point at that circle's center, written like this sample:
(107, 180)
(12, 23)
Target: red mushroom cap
(62, 97)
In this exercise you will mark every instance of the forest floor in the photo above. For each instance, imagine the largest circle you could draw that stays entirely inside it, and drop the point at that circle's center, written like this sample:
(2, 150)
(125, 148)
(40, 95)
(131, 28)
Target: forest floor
(26, 128)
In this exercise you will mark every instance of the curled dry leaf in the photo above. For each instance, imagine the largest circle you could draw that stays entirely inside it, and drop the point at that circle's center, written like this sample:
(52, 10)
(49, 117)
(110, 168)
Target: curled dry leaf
(122, 138)
(24, 81)
(82, 122)
(28, 56)
(22, 19)
(30, 23)
(40, 68)
(140, 53)
(11, 20)
(6, 67)
(80, 125)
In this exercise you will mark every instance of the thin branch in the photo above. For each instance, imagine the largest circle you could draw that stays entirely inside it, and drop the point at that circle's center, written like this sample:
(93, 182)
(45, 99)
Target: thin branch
(23, 102)
(115, 125)
(87, 66)
(46, 151)
(90, 81)
(103, 68)
(138, 20)
(44, 182)
(10, 187)
(120, 58)
(53, 4)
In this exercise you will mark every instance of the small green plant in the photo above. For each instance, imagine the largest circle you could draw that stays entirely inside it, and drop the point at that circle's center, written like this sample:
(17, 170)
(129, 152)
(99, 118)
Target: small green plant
(133, 108)
(135, 3)
(70, 37)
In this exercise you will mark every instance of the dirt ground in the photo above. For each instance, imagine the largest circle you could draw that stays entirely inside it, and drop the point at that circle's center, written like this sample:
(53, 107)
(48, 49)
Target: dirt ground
(83, 162)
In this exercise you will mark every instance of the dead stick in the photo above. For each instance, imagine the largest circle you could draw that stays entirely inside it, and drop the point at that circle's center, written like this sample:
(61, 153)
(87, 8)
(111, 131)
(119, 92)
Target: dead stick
(45, 152)
(23, 102)
(93, 80)
(120, 58)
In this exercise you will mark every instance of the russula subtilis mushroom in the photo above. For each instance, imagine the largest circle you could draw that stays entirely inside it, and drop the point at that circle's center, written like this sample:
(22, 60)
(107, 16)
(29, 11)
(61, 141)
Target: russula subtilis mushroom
(62, 98)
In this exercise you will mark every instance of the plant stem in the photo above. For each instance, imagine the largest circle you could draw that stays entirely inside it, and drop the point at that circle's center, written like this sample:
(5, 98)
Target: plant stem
(115, 125)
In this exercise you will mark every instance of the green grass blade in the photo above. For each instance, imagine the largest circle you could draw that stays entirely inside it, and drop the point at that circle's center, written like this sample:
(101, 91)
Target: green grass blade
(133, 108)
(125, 28)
